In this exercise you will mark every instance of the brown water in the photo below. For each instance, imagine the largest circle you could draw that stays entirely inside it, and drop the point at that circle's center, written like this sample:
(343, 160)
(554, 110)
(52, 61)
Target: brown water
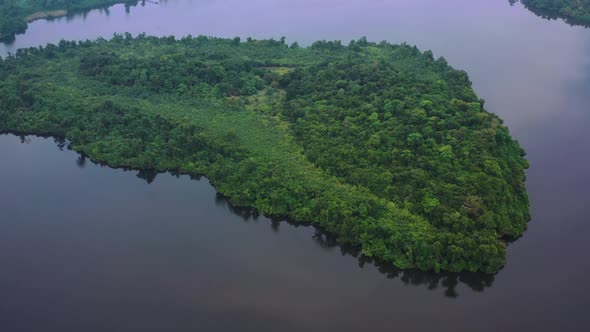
(88, 248)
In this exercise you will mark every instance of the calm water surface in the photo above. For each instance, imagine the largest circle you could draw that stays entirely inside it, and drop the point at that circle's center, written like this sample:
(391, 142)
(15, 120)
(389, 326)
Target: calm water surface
(89, 248)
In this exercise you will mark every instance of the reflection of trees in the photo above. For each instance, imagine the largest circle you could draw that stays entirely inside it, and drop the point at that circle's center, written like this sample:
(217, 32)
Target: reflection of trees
(432, 281)
(83, 14)
(60, 142)
(24, 139)
(73, 14)
(81, 161)
(448, 281)
(148, 175)
(245, 213)
(553, 15)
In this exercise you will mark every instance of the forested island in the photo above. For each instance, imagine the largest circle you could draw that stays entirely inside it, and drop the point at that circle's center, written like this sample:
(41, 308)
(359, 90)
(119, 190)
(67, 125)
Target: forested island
(16, 14)
(574, 12)
(382, 145)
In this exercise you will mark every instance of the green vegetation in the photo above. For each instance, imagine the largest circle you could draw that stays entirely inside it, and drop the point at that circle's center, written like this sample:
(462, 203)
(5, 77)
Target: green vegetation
(380, 144)
(15, 14)
(575, 12)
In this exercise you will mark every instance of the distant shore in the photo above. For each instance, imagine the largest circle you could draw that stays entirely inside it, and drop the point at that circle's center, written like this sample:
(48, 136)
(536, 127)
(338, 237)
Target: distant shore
(16, 15)
(45, 14)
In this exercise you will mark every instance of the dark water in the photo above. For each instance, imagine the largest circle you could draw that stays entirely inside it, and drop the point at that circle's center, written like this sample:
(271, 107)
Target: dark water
(88, 248)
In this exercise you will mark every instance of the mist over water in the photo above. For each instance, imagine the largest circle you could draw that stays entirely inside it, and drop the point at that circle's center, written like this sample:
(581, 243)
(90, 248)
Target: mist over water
(89, 248)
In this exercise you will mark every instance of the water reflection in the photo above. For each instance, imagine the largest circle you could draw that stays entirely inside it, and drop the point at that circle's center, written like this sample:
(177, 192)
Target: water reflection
(81, 161)
(550, 15)
(433, 281)
(74, 15)
(534, 73)
(23, 139)
(447, 283)
(148, 175)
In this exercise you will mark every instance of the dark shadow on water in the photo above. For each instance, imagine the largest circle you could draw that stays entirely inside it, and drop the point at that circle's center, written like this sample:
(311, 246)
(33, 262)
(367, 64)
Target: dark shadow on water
(60, 142)
(81, 161)
(446, 282)
(148, 175)
(24, 139)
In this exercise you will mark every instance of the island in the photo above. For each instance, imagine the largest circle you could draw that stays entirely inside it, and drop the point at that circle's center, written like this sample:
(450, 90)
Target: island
(573, 12)
(15, 15)
(382, 145)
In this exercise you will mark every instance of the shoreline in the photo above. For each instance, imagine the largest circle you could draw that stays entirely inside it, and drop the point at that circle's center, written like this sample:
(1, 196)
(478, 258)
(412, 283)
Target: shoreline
(21, 25)
(45, 15)
(237, 208)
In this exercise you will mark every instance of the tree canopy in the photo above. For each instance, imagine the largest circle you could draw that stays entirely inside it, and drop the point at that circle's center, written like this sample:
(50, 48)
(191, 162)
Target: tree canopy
(383, 145)
(574, 12)
(16, 14)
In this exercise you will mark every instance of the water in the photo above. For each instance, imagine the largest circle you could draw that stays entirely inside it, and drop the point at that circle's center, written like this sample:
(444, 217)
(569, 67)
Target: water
(95, 249)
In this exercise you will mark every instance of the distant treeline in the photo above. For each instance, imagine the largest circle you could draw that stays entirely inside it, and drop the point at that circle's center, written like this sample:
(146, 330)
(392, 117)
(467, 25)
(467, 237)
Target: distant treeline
(16, 14)
(383, 145)
(574, 12)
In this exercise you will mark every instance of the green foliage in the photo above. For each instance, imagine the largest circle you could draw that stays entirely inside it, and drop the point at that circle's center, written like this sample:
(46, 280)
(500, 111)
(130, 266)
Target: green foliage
(379, 144)
(15, 14)
(574, 12)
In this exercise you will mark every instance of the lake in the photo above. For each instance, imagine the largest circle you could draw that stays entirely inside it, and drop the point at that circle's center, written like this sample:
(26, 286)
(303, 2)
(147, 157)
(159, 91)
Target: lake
(84, 247)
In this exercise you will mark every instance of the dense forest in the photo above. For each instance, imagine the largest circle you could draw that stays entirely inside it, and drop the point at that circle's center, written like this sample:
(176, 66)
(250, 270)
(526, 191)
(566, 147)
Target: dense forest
(15, 14)
(382, 145)
(575, 12)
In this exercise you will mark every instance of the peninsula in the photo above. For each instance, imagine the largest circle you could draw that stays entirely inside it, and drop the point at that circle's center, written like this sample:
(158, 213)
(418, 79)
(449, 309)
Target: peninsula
(383, 145)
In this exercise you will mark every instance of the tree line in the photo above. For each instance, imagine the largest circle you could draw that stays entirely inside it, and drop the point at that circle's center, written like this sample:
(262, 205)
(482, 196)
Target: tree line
(382, 145)
(15, 14)
(574, 12)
